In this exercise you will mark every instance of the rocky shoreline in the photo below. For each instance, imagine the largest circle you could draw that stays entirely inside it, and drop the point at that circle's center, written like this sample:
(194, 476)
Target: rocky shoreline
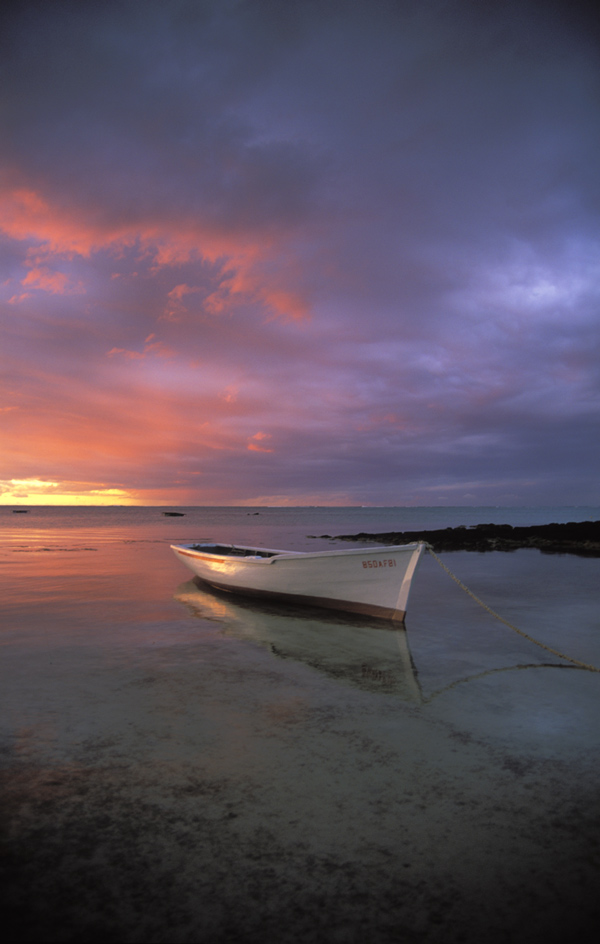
(575, 537)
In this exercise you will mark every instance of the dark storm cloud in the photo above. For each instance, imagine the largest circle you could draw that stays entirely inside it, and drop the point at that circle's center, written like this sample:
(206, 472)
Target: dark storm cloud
(134, 117)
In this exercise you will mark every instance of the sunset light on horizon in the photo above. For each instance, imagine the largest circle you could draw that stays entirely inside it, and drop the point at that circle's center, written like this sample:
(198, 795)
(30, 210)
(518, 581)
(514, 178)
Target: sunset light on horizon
(328, 254)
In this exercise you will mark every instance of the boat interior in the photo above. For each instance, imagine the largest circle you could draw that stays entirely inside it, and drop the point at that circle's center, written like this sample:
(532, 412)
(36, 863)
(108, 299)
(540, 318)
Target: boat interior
(230, 550)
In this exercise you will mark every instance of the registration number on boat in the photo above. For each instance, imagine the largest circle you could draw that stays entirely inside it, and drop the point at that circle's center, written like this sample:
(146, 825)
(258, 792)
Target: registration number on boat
(379, 563)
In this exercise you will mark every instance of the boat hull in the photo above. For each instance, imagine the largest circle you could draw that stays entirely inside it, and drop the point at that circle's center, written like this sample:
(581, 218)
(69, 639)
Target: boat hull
(371, 581)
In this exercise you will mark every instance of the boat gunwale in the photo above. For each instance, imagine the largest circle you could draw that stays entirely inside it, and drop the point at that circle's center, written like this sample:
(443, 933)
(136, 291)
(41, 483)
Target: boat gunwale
(195, 550)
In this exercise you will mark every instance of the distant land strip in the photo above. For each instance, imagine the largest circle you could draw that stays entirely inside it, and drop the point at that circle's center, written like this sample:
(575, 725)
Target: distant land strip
(576, 537)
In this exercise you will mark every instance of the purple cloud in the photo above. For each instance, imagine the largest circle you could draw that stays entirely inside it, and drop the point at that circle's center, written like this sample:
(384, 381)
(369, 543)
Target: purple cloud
(301, 252)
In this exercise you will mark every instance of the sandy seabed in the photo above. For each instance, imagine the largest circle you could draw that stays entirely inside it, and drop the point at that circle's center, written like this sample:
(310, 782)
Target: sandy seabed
(181, 767)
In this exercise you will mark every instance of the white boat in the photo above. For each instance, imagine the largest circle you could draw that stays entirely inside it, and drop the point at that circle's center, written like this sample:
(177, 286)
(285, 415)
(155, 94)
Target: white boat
(374, 581)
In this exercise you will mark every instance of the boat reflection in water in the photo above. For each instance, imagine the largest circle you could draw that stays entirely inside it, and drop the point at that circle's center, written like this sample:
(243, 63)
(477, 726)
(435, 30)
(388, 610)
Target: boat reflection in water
(371, 654)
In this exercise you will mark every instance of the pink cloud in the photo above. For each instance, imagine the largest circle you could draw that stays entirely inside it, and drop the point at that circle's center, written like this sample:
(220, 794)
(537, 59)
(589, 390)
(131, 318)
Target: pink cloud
(248, 281)
(176, 308)
(26, 215)
(130, 355)
(57, 283)
(157, 348)
(58, 231)
(229, 394)
(254, 443)
(381, 421)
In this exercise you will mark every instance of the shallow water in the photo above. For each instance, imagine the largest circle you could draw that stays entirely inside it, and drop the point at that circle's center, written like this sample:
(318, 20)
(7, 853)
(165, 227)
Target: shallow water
(180, 765)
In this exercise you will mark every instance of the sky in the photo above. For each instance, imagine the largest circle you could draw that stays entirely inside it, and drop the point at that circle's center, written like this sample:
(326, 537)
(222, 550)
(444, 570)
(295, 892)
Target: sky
(299, 253)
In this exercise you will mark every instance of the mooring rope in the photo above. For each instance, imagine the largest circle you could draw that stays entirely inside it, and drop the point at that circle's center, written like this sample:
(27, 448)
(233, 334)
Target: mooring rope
(555, 652)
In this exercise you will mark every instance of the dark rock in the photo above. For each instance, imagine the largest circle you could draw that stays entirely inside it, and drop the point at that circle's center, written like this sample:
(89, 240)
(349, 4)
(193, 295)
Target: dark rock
(575, 537)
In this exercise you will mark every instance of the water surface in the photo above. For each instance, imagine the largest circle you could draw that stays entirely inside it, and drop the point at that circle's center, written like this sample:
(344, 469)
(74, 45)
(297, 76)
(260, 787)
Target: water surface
(180, 765)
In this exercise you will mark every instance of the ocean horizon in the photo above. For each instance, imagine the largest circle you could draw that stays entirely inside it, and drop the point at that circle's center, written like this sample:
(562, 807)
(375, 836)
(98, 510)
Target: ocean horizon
(338, 519)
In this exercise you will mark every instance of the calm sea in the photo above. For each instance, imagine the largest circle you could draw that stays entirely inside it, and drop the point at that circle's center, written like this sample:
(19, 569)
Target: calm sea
(161, 744)
(288, 527)
(93, 561)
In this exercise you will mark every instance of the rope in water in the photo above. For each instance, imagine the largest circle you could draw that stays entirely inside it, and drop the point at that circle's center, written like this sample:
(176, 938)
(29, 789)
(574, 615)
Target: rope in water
(555, 652)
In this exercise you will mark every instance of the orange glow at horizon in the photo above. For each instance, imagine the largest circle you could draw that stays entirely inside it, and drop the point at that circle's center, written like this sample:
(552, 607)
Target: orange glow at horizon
(39, 492)
(36, 492)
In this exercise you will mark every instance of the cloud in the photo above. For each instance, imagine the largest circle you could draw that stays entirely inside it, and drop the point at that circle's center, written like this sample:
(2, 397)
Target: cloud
(256, 443)
(57, 283)
(369, 228)
(151, 348)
